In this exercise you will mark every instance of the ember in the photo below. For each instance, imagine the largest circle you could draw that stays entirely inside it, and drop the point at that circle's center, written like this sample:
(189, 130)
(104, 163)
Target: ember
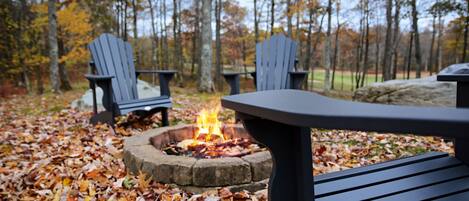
(209, 142)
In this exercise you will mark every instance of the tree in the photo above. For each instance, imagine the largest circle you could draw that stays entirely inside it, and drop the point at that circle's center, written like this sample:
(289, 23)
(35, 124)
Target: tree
(367, 42)
(135, 45)
(218, 50)
(434, 13)
(418, 56)
(289, 16)
(256, 23)
(328, 51)
(336, 48)
(178, 57)
(309, 38)
(396, 37)
(53, 47)
(154, 48)
(272, 16)
(388, 42)
(205, 79)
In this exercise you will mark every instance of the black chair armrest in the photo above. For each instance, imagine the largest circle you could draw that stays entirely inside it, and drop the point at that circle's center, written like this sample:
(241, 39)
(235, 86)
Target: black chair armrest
(232, 78)
(164, 76)
(297, 78)
(139, 72)
(105, 83)
(453, 77)
(98, 77)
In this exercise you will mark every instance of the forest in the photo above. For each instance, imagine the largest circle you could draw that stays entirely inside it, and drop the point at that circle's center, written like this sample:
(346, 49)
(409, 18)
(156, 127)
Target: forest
(368, 41)
(128, 100)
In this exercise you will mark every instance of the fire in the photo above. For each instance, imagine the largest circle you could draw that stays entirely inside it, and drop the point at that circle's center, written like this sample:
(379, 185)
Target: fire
(208, 126)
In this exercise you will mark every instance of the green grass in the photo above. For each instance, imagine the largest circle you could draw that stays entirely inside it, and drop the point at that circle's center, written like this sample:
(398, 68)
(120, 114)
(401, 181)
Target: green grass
(342, 80)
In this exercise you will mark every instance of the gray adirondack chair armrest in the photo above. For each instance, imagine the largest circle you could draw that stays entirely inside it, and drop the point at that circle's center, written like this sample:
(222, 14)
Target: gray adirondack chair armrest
(105, 83)
(297, 78)
(232, 78)
(164, 76)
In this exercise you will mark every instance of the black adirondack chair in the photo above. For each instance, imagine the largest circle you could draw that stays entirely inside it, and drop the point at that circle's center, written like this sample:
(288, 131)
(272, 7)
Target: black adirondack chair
(112, 61)
(282, 119)
(275, 66)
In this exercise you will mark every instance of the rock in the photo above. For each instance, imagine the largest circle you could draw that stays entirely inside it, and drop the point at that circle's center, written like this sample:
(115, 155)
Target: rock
(456, 69)
(221, 172)
(145, 90)
(418, 92)
(261, 165)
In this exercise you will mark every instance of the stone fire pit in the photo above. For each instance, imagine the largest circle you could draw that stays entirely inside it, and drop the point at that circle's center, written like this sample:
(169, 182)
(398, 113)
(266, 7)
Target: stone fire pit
(143, 153)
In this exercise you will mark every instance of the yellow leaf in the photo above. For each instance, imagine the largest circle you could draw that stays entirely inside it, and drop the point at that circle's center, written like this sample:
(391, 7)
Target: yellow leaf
(92, 191)
(66, 181)
(87, 198)
(142, 182)
(84, 185)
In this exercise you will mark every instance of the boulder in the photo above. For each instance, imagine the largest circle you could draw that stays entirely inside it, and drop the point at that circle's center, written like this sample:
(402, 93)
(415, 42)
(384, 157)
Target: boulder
(418, 92)
(145, 90)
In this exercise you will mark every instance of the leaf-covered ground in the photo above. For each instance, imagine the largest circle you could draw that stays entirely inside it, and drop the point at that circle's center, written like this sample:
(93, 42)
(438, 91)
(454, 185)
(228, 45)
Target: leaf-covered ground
(50, 152)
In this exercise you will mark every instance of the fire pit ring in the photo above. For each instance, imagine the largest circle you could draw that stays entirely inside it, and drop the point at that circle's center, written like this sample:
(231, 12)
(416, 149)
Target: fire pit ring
(142, 153)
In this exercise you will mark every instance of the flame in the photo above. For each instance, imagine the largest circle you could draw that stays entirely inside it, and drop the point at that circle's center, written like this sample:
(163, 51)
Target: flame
(208, 125)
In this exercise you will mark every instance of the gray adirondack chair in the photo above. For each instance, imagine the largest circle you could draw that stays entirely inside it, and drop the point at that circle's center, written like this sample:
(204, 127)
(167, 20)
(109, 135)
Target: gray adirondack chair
(112, 61)
(282, 119)
(275, 66)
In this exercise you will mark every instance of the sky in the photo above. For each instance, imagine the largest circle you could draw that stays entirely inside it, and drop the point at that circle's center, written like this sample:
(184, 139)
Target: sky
(348, 14)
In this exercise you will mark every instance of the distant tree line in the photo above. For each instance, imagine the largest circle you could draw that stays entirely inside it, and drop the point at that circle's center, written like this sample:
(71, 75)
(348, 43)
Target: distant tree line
(381, 40)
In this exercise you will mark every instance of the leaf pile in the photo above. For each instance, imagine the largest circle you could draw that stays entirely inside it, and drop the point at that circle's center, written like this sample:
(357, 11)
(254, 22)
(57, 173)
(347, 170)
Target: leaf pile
(50, 152)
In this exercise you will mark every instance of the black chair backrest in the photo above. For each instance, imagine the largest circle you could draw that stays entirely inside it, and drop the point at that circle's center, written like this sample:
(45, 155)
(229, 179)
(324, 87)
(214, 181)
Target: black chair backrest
(113, 56)
(275, 57)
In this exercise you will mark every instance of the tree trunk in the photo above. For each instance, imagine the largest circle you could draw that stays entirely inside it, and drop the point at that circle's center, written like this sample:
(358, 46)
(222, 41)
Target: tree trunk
(256, 23)
(359, 54)
(165, 38)
(137, 54)
(396, 36)
(409, 55)
(377, 52)
(19, 41)
(367, 43)
(466, 27)
(336, 48)
(438, 44)
(418, 56)
(328, 52)
(387, 43)
(289, 16)
(300, 45)
(205, 81)
(125, 21)
(313, 51)
(307, 64)
(218, 67)
(272, 17)
(39, 82)
(432, 44)
(177, 44)
(195, 39)
(154, 44)
(53, 47)
(244, 55)
(64, 81)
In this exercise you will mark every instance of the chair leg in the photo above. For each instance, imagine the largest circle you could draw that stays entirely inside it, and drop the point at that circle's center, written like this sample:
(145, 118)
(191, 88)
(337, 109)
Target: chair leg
(103, 117)
(164, 117)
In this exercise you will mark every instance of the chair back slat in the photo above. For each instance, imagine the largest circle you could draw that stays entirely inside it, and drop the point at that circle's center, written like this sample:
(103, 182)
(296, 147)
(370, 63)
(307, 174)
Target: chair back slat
(133, 78)
(275, 57)
(111, 57)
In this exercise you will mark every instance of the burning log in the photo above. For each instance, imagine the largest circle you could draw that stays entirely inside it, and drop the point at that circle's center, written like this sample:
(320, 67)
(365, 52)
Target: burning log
(210, 142)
